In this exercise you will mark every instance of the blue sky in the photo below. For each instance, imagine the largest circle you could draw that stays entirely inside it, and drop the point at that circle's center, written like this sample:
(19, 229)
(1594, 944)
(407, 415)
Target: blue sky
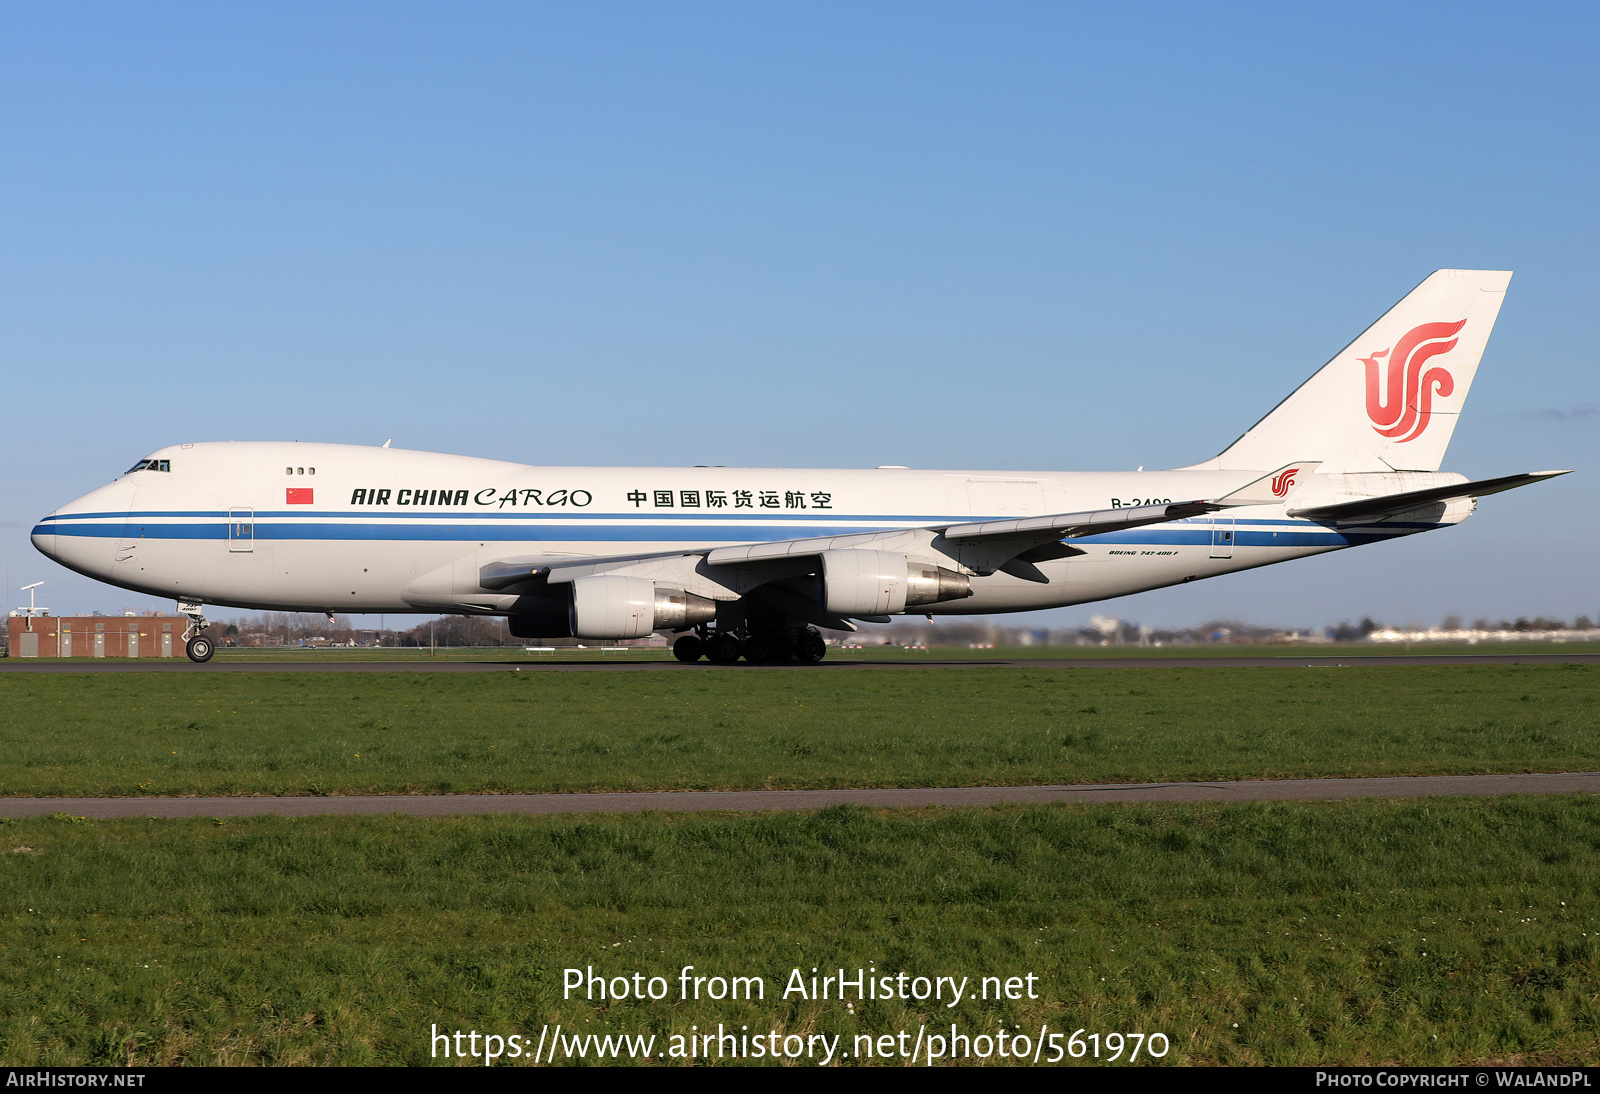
(996, 235)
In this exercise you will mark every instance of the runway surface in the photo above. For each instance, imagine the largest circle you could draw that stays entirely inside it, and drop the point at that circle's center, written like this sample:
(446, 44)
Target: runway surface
(20, 665)
(759, 801)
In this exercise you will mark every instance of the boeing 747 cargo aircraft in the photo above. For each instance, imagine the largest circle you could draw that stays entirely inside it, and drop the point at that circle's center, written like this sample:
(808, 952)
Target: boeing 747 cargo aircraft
(744, 562)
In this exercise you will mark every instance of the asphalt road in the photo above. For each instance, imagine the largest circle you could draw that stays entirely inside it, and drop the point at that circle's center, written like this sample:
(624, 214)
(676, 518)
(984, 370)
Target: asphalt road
(311, 663)
(758, 801)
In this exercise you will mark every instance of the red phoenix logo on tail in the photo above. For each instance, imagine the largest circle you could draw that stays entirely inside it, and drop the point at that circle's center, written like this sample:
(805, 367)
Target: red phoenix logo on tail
(1282, 481)
(1402, 406)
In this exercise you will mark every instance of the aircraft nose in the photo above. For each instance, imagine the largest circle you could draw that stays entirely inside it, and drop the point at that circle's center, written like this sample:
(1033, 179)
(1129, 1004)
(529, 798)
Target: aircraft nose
(75, 534)
(44, 539)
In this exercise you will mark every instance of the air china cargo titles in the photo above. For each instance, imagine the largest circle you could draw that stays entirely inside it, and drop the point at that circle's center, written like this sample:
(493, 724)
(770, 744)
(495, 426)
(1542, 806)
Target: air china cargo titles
(488, 497)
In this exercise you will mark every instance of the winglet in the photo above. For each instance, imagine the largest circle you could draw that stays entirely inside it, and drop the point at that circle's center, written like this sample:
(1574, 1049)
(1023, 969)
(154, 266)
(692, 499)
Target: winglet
(1272, 488)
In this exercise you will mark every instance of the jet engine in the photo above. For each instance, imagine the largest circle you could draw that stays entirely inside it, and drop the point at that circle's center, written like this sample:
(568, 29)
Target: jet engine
(861, 583)
(612, 606)
(608, 606)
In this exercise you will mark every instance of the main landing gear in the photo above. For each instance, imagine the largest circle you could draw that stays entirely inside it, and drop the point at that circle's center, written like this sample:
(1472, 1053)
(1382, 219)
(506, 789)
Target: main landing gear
(769, 647)
(810, 649)
(723, 648)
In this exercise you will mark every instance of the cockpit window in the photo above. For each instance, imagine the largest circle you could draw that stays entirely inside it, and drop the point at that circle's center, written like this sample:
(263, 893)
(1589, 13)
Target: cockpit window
(150, 465)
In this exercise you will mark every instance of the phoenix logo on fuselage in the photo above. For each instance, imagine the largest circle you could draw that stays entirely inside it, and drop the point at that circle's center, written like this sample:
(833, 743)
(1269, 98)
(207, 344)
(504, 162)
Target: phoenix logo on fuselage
(1402, 406)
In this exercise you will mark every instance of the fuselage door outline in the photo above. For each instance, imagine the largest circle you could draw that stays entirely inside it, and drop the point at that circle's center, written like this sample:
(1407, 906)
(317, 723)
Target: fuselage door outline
(241, 529)
(1222, 537)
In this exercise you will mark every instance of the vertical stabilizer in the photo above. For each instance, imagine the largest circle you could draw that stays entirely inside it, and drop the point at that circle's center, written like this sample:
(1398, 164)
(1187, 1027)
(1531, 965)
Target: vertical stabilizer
(1388, 401)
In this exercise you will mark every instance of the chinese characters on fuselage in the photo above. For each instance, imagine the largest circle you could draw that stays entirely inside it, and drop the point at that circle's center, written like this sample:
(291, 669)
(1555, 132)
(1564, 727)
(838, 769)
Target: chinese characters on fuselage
(732, 499)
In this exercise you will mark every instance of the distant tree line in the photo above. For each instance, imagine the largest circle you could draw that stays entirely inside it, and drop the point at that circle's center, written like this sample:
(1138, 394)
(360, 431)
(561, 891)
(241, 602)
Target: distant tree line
(294, 629)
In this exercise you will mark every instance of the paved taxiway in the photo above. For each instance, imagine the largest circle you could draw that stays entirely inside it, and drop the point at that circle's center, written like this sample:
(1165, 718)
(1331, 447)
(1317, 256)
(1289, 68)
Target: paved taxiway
(759, 801)
(311, 664)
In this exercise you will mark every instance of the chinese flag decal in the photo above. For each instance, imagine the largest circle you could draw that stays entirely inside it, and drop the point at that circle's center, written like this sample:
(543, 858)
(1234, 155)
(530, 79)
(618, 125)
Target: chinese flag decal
(298, 495)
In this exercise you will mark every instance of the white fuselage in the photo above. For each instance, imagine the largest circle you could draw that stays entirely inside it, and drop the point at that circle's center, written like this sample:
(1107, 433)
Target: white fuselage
(344, 528)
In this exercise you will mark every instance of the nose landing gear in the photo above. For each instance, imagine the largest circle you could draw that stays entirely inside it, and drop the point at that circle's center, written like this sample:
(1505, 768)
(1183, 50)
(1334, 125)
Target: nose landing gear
(199, 647)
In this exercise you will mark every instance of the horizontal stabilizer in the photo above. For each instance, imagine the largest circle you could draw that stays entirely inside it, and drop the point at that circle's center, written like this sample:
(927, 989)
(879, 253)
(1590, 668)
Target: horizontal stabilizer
(1388, 504)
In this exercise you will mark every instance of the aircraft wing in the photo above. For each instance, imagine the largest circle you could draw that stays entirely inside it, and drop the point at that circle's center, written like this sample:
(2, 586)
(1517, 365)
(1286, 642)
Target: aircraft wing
(1012, 545)
(1004, 539)
(1037, 529)
(1026, 532)
(1390, 504)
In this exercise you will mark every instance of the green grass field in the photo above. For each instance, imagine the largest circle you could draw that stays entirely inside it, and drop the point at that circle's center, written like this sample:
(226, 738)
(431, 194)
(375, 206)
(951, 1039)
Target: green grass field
(313, 733)
(1362, 932)
(1438, 931)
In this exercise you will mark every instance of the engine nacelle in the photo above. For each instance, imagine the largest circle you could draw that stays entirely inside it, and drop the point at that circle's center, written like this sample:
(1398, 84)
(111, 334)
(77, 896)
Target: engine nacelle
(612, 606)
(884, 583)
(677, 610)
(542, 616)
(929, 584)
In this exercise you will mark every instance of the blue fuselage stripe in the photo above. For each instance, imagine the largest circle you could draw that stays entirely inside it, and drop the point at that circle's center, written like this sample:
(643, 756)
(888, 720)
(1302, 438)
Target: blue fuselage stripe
(1252, 533)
